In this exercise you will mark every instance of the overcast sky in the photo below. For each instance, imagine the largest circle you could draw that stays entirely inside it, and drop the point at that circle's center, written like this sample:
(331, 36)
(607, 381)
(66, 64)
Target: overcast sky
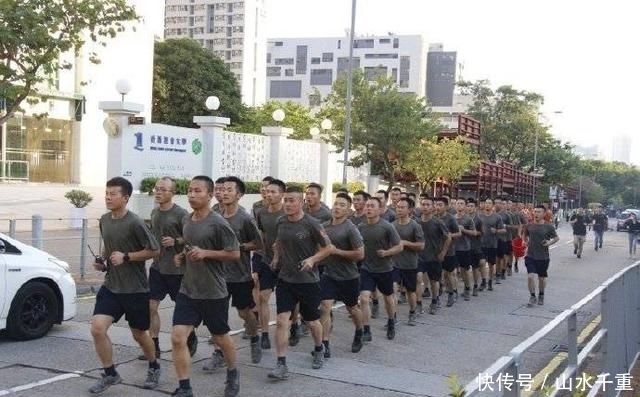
(582, 56)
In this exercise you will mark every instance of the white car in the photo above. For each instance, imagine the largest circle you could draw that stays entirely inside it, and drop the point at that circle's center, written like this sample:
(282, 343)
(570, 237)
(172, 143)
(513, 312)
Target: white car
(36, 290)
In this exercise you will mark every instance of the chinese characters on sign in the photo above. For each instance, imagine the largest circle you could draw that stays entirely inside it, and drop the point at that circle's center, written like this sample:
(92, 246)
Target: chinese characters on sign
(507, 382)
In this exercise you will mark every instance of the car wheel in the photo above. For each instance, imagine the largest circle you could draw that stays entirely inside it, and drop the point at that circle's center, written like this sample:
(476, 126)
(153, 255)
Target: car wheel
(33, 312)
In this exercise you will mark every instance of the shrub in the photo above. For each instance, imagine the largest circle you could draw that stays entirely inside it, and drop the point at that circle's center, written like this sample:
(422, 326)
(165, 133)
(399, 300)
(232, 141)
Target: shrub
(78, 198)
(252, 187)
(352, 187)
(147, 184)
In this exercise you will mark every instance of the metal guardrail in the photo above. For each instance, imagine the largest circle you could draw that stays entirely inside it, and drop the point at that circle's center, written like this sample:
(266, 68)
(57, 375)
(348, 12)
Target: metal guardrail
(618, 338)
(61, 245)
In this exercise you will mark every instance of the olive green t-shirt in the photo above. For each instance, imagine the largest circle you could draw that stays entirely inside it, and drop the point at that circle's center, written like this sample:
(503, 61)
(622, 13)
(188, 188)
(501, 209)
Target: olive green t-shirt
(267, 225)
(435, 235)
(537, 234)
(408, 258)
(297, 241)
(452, 226)
(463, 243)
(344, 236)
(126, 234)
(167, 224)
(322, 214)
(205, 279)
(378, 236)
(246, 231)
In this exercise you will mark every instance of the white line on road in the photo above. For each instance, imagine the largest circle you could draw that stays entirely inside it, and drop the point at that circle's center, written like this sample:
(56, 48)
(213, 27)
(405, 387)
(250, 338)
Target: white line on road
(38, 383)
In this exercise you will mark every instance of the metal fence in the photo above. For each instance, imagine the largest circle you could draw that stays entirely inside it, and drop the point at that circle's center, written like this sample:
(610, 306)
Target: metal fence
(55, 236)
(605, 324)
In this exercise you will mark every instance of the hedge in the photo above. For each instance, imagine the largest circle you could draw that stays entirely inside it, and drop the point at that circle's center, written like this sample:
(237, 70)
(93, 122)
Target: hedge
(182, 185)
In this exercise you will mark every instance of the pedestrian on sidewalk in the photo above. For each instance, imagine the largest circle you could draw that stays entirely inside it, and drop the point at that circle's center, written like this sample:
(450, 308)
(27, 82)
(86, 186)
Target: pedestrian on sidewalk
(633, 227)
(600, 225)
(578, 222)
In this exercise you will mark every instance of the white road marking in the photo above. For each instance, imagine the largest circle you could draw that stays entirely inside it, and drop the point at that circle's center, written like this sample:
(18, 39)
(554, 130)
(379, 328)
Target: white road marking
(38, 383)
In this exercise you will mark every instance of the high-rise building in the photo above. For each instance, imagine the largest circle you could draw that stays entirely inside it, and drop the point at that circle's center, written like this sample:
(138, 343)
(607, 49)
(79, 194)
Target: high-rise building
(621, 149)
(232, 30)
(303, 70)
(441, 75)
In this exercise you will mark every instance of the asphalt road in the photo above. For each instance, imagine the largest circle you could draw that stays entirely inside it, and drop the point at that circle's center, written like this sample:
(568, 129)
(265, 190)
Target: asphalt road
(462, 340)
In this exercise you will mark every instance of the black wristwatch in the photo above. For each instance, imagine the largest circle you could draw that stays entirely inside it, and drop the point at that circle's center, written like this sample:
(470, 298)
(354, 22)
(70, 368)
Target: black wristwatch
(126, 257)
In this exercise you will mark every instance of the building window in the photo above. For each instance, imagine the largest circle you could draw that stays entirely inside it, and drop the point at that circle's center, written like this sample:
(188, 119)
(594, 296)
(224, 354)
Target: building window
(230, 7)
(405, 68)
(321, 76)
(363, 43)
(284, 61)
(274, 71)
(285, 89)
(343, 64)
(384, 41)
(373, 73)
(301, 59)
(278, 44)
(396, 43)
(381, 56)
(394, 75)
(315, 61)
(227, 55)
(327, 57)
(229, 19)
(268, 57)
(288, 72)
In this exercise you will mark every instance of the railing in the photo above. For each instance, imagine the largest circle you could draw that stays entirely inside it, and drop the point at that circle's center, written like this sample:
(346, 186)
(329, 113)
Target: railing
(16, 170)
(58, 239)
(618, 339)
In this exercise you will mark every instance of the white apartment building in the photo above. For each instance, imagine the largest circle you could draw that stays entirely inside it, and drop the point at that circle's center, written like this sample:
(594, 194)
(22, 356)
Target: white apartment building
(233, 30)
(297, 67)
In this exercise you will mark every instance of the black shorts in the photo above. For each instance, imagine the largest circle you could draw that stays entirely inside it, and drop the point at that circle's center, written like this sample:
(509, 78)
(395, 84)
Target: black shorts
(134, 307)
(383, 281)
(214, 313)
(161, 285)
(537, 266)
(490, 254)
(432, 268)
(464, 259)
(409, 279)
(476, 258)
(395, 274)
(241, 295)
(256, 262)
(504, 248)
(346, 291)
(450, 263)
(308, 295)
(267, 278)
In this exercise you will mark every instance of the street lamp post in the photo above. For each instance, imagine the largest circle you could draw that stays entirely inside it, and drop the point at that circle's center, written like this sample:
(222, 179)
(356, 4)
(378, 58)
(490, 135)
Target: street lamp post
(347, 121)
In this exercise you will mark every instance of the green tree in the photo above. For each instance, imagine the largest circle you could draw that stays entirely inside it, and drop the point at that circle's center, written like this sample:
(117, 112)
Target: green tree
(297, 117)
(35, 33)
(385, 123)
(448, 159)
(509, 120)
(511, 128)
(185, 74)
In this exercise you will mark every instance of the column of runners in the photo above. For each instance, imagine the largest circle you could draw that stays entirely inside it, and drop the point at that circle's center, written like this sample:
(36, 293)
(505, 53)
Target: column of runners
(362, 249)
